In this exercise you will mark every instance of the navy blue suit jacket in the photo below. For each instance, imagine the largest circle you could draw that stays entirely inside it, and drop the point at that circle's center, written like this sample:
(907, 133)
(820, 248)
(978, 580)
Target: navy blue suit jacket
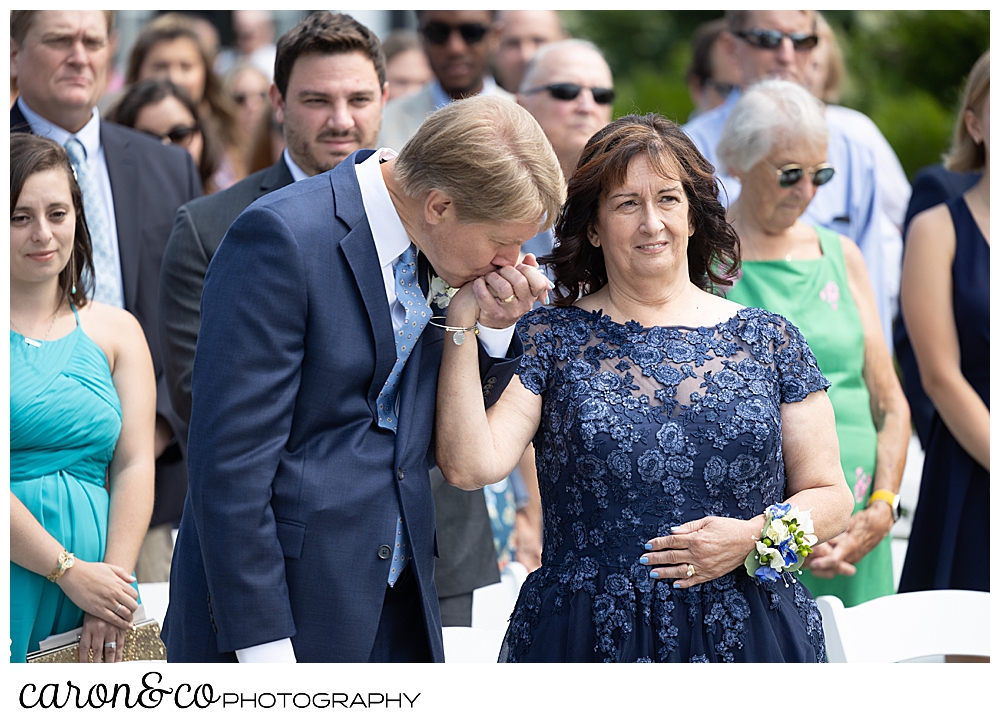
(293, 485)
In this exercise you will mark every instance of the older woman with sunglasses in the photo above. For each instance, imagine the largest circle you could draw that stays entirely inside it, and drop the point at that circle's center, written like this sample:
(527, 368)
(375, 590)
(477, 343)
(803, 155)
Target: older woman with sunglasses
(774, 142)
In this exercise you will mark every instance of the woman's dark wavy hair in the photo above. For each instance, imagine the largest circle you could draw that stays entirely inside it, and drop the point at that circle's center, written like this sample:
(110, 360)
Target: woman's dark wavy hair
(713, 249)
(150, 92)
(31, 154)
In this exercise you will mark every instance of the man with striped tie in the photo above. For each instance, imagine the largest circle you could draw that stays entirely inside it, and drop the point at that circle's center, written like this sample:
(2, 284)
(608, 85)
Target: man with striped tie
(308, 532)
(132, 187)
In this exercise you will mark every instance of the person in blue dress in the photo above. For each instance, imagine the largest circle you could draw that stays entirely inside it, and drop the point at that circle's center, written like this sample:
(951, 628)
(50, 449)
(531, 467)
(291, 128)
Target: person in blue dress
(946, 299)
(82, 409)
(665, 421)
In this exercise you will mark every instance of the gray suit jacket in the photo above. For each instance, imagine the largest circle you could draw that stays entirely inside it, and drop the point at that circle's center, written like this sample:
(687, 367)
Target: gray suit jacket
(198, 230)
(403, 116)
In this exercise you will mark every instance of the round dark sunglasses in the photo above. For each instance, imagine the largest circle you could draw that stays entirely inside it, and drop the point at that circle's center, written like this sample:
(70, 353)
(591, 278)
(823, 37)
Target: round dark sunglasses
(771, 39)
(569, 91)
(437, 33)
(791, 174)
(178, 134)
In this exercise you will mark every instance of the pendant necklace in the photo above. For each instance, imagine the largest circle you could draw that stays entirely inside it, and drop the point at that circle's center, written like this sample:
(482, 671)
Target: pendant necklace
(37, 342)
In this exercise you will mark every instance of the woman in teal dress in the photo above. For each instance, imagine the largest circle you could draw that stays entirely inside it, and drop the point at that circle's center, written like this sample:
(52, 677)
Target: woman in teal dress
(82, 396)
(775, 142)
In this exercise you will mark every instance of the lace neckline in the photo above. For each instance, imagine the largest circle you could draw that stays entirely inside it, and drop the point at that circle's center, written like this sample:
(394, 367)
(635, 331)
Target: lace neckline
(635, 326)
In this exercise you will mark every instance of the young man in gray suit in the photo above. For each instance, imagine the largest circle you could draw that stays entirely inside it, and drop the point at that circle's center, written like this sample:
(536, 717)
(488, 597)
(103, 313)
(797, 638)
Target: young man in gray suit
(328, 93)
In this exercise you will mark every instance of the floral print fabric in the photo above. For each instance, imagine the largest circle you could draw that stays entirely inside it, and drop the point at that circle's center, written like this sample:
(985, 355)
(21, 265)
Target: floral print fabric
(641, 430)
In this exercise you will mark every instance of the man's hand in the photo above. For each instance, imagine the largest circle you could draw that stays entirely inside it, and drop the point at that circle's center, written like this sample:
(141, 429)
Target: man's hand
(507, 294)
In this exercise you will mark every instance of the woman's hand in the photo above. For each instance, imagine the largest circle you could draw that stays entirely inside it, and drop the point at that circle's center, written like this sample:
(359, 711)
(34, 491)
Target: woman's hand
(713, 546)
(104, 591)
(838, 556)
(101, 642)
(510, 292)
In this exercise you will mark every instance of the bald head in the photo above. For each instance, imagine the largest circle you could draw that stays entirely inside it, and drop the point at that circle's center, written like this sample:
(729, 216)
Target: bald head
(522, 33)
(574, 66)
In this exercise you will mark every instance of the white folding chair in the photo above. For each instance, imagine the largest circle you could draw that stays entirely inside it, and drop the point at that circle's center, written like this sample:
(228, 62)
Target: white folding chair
(471, 645)
(155, 596)
(929, 625)
(493, 604)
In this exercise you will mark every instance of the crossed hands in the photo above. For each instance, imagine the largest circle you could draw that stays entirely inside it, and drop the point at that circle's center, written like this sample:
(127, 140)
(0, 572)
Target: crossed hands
(838, 555)
(105, 593)
(498, 299)
(707, 548)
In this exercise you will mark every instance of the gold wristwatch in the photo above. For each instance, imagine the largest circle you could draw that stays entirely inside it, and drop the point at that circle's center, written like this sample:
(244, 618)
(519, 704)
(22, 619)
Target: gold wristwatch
(889, 498)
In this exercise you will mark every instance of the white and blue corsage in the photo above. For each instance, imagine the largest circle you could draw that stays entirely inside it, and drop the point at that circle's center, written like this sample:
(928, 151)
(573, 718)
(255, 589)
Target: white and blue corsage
(785, 541)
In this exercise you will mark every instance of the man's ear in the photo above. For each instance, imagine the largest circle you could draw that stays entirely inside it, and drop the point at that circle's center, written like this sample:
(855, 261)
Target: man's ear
(277, 102)
(438, 207)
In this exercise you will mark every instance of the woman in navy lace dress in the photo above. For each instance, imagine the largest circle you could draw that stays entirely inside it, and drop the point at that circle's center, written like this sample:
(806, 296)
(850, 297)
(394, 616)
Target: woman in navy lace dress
(665, 421)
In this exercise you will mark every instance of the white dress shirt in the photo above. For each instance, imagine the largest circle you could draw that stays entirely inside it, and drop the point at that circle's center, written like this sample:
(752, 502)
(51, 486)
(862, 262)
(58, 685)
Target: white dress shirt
(391, 240)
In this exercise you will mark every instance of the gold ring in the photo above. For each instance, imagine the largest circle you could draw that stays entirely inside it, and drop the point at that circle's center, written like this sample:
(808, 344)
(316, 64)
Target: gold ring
(508, 299)
(690, 572)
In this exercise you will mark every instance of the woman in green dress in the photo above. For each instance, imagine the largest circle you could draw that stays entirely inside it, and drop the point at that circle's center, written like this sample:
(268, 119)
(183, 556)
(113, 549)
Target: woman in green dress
(775, 143)
(82, 410)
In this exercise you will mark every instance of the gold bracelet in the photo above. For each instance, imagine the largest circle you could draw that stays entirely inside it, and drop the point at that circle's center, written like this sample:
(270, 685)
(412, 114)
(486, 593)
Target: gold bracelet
(65, 562)
(459, 337)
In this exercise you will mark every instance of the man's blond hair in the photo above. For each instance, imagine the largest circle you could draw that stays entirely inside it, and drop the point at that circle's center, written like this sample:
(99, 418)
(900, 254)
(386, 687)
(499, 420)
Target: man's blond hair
(490, 157)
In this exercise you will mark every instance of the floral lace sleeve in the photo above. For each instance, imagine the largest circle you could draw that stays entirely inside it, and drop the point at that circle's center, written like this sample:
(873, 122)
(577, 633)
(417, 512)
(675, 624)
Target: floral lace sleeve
(540, 344)
(798, 373)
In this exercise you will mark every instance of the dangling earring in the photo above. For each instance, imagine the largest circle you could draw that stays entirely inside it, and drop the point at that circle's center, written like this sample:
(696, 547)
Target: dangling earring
(72, 270)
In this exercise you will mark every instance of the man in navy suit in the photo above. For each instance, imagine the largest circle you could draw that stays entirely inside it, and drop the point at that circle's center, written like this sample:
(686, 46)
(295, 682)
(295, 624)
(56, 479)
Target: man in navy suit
(60, 59)
(308, 531)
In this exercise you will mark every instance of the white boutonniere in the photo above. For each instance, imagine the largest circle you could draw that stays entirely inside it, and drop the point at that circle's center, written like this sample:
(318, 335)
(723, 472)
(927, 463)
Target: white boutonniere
(441, 293)
(785, 541)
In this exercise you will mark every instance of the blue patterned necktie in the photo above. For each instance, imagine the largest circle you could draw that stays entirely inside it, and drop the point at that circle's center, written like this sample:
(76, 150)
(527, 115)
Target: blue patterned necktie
(107, 281)
(411, 297)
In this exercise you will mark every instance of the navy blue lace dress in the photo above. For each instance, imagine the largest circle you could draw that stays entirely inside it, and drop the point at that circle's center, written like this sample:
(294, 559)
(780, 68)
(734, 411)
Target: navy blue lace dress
(641, 430)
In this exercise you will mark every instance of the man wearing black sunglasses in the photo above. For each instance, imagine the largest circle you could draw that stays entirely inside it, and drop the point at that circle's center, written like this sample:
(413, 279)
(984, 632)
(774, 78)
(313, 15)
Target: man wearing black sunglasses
(568, 89)
(778, 44)
(458, 44)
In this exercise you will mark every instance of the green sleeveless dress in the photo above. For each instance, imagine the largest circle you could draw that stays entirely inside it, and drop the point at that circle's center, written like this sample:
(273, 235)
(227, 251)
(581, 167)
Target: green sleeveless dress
(814, 295)
(65, 418)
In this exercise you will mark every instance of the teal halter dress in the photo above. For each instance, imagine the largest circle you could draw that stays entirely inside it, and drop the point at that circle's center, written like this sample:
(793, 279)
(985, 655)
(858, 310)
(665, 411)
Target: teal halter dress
(65, 418)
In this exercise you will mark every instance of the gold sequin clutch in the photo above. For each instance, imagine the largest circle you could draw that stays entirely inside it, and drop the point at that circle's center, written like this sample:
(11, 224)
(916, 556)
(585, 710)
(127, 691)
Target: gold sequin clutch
(143, 643)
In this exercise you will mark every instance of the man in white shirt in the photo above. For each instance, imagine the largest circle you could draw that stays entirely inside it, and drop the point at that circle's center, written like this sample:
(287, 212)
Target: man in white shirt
(308, 531)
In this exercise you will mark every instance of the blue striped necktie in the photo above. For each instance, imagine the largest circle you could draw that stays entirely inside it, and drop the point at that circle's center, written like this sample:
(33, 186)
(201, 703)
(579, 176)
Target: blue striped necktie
(107, 281)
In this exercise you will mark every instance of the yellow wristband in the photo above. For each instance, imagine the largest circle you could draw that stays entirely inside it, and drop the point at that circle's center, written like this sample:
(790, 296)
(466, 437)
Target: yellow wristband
(884, 495)
(65, 562)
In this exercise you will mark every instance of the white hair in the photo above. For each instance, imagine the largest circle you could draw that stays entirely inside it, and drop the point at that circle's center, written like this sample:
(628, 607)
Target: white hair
(767, 111)
(531, 70)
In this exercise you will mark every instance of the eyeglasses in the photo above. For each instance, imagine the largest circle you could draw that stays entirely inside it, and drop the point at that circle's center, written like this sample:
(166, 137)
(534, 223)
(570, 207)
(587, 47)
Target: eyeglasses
(771, 39)
(437, 33)
(179, 135)
(569, 91)
(791, 174)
